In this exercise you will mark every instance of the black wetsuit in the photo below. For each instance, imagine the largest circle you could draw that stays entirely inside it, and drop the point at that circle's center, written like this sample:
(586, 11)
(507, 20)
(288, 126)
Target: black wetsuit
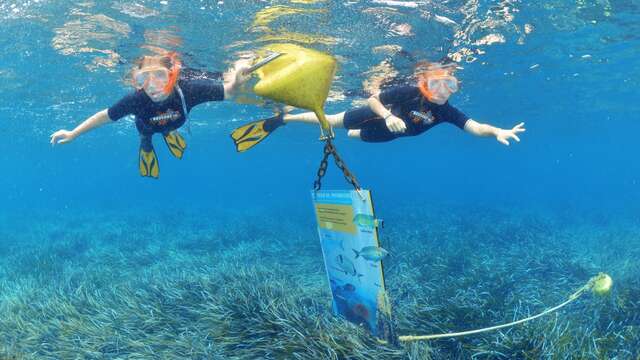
(167, 115)
(408, 104)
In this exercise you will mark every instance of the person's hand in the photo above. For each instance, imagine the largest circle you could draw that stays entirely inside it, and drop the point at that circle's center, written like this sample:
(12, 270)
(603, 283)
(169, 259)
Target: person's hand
(503, 135)
(242, 74)
(236, 75)
(62, 137)
(395, 124)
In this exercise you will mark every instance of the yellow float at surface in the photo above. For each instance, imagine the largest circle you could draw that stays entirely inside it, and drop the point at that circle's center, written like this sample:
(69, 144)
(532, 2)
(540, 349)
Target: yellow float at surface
(300, 77)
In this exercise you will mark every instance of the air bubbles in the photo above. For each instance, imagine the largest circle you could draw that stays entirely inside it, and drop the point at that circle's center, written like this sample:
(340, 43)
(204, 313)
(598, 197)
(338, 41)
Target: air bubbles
(528, 29)
(491, 39)
(444, 20)
(403, 29)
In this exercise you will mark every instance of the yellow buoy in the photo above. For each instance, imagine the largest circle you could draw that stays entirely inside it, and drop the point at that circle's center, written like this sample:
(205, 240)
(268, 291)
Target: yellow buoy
(301, 77)
(601, 284)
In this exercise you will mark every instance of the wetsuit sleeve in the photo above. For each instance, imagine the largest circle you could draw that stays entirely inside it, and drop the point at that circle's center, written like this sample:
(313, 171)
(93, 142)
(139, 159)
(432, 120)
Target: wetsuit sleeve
(124, 107)
(398, 94)
(203, 90)
(454, 116)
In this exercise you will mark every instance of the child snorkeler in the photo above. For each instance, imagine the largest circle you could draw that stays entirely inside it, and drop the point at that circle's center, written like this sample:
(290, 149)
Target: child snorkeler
(396, 112)
(164, 94)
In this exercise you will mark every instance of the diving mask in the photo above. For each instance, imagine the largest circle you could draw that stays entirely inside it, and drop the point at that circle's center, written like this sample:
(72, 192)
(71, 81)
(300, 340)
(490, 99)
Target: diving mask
(157, 78)
(154, 77)
(438, 84)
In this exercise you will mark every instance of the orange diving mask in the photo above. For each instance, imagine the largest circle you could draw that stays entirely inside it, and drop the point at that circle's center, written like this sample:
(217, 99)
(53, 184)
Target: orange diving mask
(437, 83)
(158, 78)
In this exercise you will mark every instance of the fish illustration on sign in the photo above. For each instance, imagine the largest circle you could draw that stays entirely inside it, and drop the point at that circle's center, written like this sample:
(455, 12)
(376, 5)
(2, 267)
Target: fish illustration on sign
(366, 221)
(346, 266)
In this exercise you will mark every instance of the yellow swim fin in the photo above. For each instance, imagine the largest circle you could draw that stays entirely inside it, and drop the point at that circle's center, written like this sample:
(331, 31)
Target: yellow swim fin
(148, 161)
(176, 143)
(247, 136)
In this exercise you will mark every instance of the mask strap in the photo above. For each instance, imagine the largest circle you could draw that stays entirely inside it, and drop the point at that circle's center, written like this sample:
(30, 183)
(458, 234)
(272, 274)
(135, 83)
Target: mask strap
(422, 85)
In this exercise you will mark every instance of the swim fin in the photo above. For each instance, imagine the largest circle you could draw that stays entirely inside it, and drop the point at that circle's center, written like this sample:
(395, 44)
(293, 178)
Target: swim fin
(247, 136)
(148, 161)
(176, 143)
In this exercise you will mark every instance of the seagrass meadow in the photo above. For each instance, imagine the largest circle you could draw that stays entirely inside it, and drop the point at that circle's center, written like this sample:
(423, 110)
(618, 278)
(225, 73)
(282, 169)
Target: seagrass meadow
(250, 285)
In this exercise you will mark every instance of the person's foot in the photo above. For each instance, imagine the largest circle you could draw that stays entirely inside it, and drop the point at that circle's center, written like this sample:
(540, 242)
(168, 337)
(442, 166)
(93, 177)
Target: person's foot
(274, 122)
(285, 110)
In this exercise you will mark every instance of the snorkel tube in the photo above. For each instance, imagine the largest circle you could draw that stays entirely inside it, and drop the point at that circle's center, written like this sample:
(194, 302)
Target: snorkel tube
(424, 89)
(174, 72)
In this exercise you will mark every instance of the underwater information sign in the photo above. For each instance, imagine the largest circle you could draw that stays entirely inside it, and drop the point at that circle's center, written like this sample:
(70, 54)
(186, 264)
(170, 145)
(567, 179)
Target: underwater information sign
(353, 257)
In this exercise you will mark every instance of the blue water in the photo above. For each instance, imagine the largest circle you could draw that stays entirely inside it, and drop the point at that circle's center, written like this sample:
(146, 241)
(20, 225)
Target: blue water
(567, 69)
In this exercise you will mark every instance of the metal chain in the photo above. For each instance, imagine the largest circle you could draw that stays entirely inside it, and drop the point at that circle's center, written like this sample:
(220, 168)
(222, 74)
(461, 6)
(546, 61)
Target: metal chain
(347, 174)
(323, 166)
(329, 149)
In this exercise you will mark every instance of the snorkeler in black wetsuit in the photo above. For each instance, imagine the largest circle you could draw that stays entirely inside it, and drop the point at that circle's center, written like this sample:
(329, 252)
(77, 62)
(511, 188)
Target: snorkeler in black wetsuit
(399, 111)
(406, 103)
(164, 95)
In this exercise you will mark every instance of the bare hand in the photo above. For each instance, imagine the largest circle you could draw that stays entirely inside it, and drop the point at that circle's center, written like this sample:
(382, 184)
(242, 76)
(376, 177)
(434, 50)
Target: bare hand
(242, 75)
(241, 69)
(503, 135)
(236, 76)
(395, 124)
(62, 137)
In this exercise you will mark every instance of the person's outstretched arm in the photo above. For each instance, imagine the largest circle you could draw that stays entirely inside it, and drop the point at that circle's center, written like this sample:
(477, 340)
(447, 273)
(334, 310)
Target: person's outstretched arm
(502, 135)
(393, 123)
(235, 77)
(64, 136)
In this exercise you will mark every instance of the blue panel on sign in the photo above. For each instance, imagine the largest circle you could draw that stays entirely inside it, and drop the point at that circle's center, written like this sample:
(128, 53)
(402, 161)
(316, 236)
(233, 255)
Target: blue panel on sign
(353, 258)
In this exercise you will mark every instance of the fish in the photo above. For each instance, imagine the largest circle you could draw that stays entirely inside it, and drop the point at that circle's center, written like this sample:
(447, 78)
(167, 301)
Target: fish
(366, 221)
(360, 311)
(345, 265)
(349, 287)
(371, 253)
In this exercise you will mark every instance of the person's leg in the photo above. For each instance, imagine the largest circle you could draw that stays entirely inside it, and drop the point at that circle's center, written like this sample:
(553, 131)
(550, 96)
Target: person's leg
(146, 143)
(365, 125)
(354, 133)
(335, 120)
(362, 123)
